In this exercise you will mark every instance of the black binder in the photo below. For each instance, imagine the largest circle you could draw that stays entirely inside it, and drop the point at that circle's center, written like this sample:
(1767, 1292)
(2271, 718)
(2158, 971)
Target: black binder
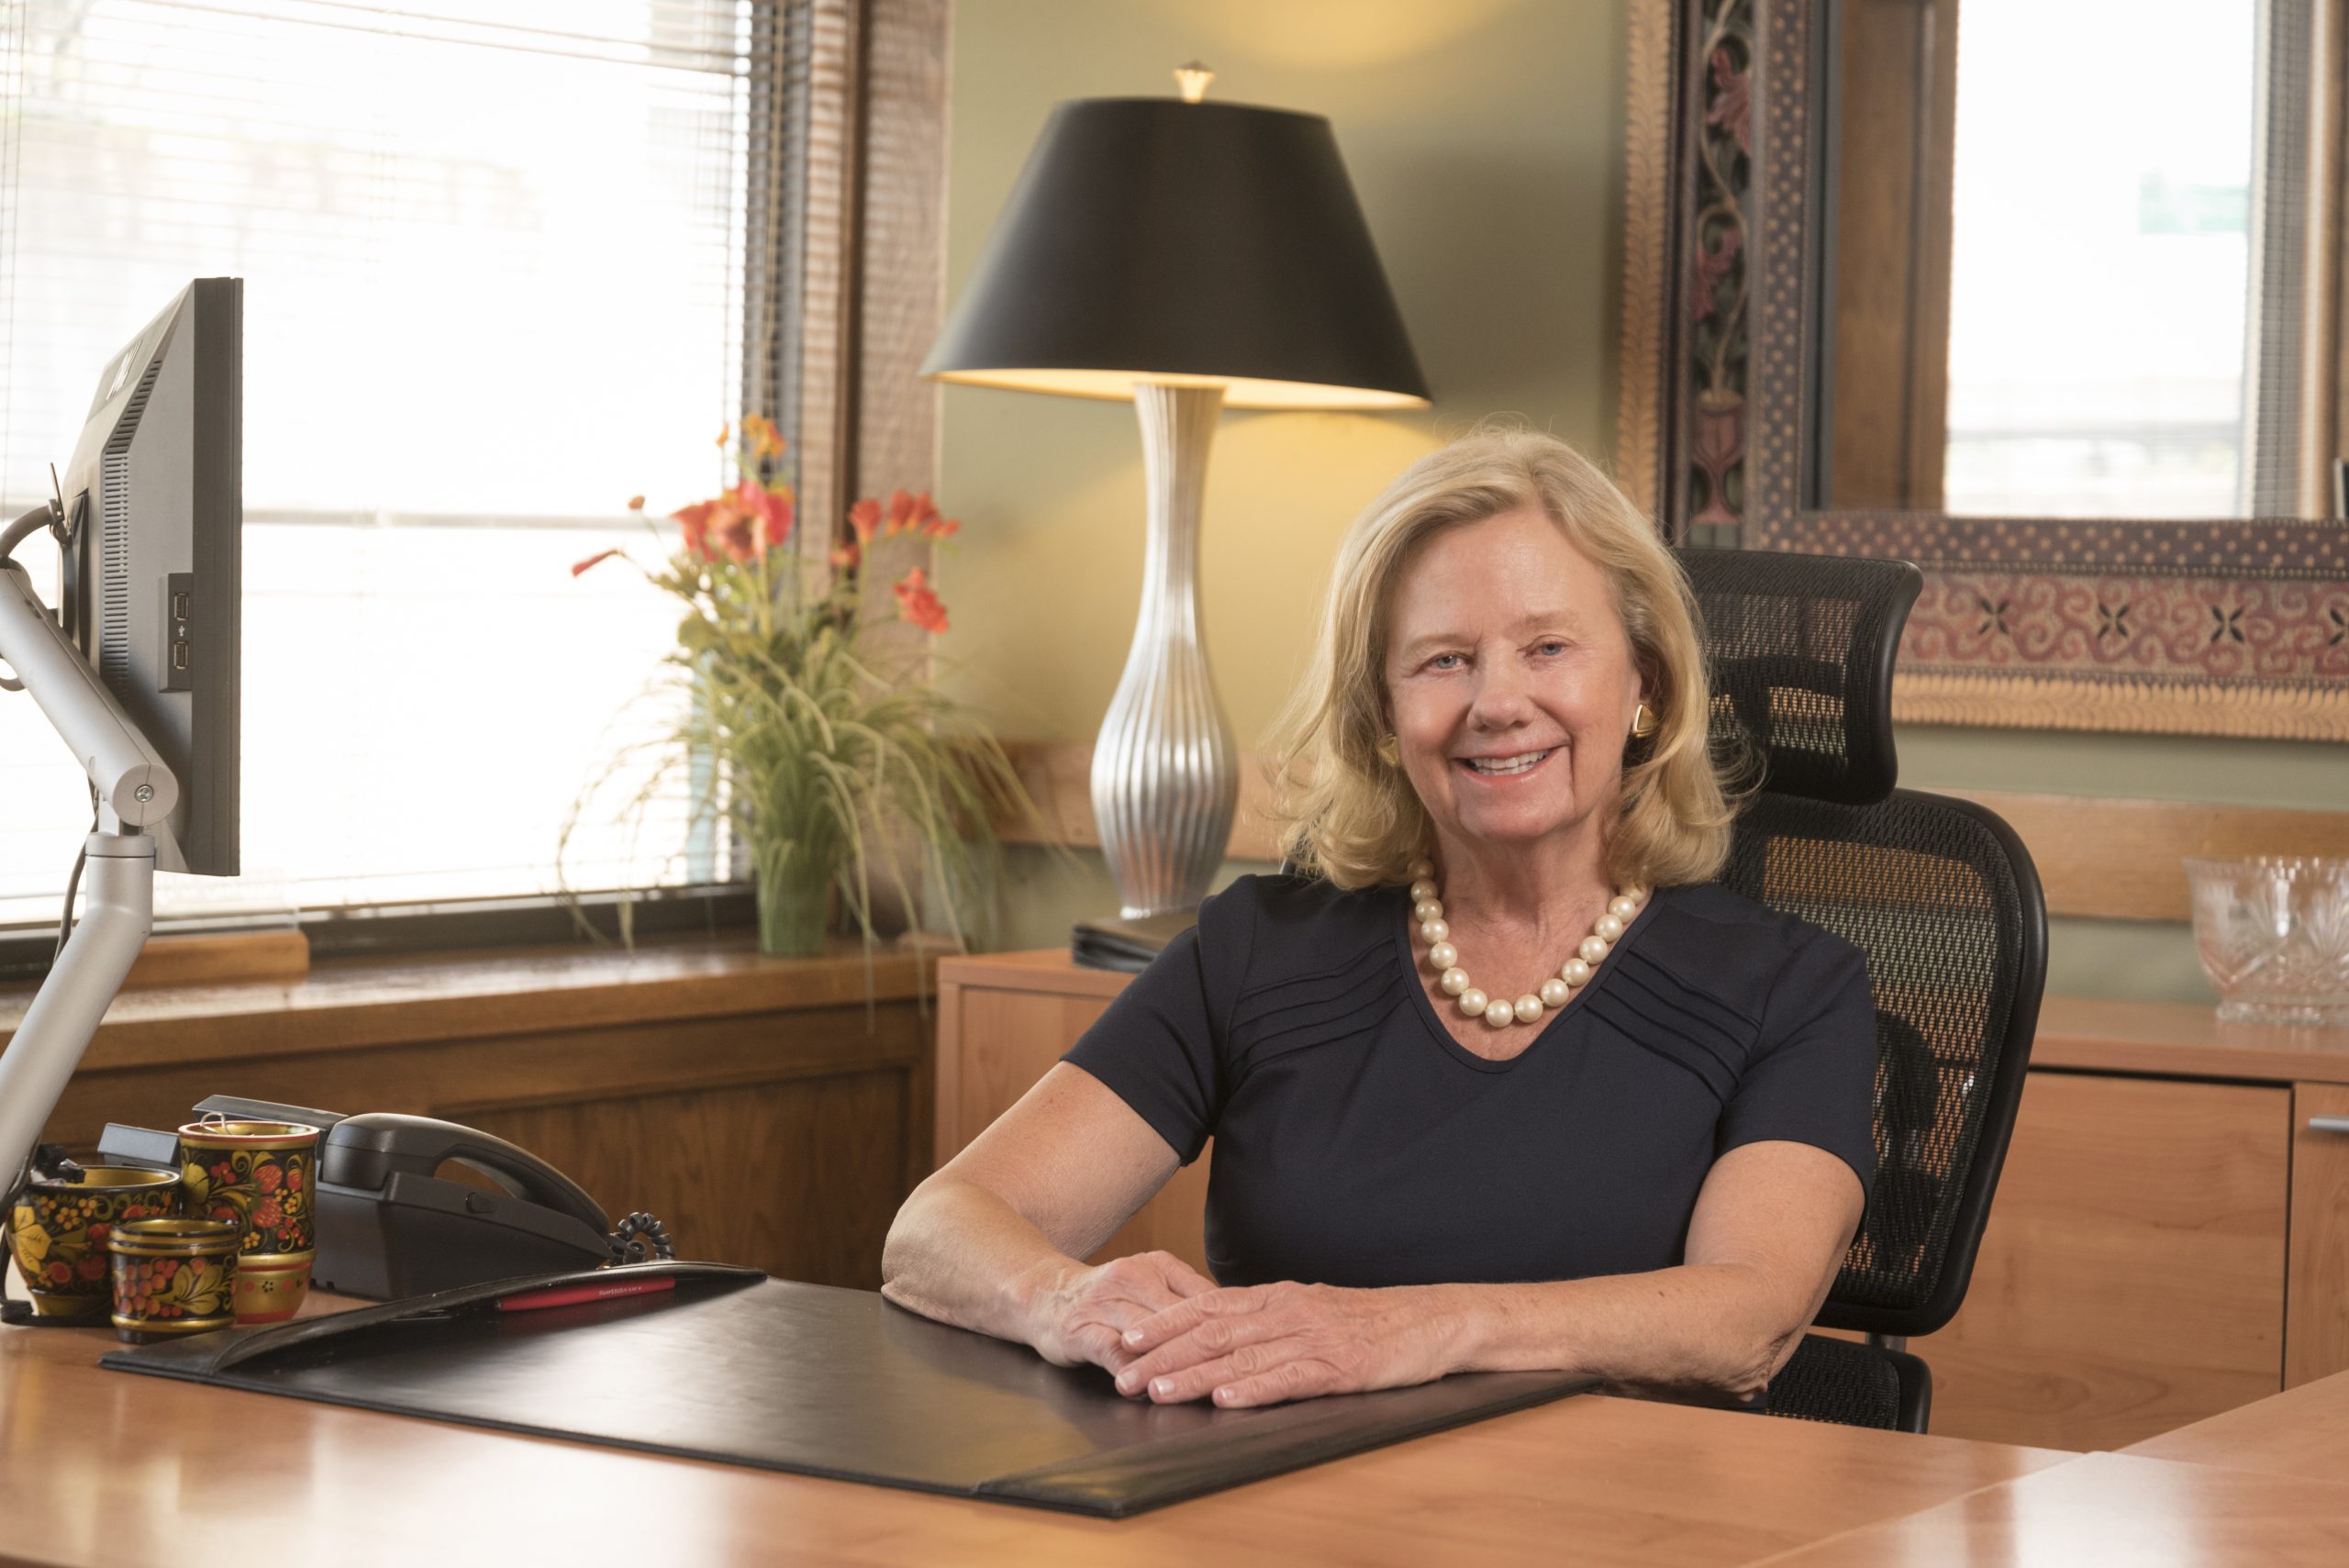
(1129, 945)
(735, 1367)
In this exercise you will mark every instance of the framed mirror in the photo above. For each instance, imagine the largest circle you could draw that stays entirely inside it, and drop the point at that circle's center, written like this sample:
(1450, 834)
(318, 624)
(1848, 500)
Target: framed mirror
(2042, 294)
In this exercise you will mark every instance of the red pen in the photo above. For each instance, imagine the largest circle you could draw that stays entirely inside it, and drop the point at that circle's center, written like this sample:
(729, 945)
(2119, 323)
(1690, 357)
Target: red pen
(574, 1295)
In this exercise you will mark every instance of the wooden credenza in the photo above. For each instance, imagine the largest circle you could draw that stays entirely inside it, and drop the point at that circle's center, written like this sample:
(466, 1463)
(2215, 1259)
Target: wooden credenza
(761, 1107)
(2170, 1237)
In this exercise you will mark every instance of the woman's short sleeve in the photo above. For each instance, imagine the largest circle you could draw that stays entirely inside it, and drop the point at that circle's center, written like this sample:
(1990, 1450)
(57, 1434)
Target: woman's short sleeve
(1160, 1046)
(1811, 1078)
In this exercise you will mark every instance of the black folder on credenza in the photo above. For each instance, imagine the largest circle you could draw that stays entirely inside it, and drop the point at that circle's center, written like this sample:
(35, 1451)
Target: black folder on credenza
(735, 1367)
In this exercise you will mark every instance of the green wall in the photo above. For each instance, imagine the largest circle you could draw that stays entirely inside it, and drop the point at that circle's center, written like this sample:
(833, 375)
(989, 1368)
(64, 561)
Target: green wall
(1484, 138)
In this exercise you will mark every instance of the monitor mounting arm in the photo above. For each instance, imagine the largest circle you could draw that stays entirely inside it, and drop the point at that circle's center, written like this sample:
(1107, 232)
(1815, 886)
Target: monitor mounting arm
(134, 788)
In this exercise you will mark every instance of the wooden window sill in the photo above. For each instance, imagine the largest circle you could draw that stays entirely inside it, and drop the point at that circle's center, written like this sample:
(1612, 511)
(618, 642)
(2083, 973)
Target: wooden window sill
(361, 1002)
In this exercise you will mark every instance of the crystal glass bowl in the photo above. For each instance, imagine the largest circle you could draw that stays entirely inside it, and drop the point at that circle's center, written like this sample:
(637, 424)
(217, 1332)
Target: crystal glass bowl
(2273, 932)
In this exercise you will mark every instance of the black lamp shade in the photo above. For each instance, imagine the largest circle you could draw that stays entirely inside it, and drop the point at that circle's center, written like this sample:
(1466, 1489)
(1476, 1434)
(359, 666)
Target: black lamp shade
(1207, 244)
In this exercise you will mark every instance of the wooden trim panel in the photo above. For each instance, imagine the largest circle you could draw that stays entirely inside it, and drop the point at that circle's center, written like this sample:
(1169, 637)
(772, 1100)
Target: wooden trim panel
(2111, 859)
(215, 958)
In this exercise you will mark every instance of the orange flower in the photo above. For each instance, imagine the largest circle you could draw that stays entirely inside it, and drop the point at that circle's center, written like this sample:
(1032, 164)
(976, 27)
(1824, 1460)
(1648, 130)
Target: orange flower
(918, 604)
(772, 511)
(725, 433)
(694, 521)
(846, 556)
(734, 528)
(578, 567)
(636, 502)
(866, 518)
(919, 514)
(764, 439)
(727, 524)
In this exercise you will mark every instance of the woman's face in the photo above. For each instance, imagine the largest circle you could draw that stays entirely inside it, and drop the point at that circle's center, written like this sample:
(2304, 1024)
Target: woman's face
(1510, 680)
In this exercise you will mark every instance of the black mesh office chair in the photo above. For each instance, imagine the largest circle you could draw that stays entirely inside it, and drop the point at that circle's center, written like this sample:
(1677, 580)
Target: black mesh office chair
(1937, 892)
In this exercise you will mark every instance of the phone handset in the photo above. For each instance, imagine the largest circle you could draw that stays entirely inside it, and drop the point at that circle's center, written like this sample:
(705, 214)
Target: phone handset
(367, 1150)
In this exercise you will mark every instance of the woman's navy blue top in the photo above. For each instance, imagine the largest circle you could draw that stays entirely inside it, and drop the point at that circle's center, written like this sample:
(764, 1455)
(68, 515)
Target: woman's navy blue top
(1357, 1143)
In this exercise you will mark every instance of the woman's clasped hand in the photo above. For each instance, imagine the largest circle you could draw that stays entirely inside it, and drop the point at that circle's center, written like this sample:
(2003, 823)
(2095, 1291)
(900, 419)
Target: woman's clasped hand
(1261, 1344)
(1083, 1318)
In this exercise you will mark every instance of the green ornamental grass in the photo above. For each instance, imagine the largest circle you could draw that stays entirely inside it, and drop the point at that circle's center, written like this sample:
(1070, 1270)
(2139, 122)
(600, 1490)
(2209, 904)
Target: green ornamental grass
(815, 725)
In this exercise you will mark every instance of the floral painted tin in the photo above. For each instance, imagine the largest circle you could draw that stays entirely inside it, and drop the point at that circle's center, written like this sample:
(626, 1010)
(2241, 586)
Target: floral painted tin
(256, 1174)
(173, 1276)
(57, 1231)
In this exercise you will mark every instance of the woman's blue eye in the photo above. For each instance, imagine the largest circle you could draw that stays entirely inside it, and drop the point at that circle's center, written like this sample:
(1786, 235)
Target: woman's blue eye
(1437, 662)
(1554, 646)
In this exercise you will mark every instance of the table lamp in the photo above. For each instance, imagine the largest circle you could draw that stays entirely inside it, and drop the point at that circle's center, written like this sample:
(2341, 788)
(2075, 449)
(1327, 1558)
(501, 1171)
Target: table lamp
(1186, 255)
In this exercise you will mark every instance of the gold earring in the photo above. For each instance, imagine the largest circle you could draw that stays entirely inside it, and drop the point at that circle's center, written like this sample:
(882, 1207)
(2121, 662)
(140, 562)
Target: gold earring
(1644, 722)
(1390, 749)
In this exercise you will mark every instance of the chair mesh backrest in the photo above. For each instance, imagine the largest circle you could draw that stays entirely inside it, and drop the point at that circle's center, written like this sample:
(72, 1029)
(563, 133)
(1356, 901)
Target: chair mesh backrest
(1937, 895)
(1801, 650)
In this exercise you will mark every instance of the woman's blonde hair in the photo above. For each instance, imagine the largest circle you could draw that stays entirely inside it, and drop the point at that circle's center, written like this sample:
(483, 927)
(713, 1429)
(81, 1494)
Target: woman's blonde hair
(1344, 814)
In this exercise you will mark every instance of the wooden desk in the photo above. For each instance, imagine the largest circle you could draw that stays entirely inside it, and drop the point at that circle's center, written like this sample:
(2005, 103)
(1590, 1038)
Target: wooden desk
(99, 1469)
(2111, 1508)
(103, 1468)
(2302, 1431)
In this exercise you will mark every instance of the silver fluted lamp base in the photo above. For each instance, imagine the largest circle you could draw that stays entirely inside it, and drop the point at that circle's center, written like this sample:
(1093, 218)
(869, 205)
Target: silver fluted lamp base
(1166, 769)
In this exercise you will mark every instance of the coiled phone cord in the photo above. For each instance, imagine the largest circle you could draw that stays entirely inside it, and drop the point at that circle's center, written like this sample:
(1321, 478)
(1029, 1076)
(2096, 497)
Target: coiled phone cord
(640, 1238)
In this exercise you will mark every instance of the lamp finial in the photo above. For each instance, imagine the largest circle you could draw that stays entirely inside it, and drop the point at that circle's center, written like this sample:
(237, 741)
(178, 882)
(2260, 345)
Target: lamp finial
(1192, 79)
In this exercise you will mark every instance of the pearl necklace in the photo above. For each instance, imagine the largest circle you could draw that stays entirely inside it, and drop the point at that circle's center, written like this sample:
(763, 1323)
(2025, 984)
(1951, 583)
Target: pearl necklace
(1555, 991)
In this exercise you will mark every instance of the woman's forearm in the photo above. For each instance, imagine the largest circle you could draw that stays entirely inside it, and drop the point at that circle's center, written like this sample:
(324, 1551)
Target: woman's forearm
(1721, 1326)
(964, 1256)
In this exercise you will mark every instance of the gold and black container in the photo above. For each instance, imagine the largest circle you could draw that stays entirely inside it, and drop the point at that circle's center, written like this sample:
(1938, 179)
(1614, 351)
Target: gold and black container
(173, 1276)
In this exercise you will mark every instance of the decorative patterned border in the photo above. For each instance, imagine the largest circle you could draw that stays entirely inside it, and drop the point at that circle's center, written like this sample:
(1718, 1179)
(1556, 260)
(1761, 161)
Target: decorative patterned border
(2202, 627)
(1718, 271)
(2040, 702)
(2223, 630)
(2258, 547)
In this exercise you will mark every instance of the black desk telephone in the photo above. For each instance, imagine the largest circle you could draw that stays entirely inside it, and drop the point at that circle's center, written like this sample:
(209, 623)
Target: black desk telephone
(388, 1227)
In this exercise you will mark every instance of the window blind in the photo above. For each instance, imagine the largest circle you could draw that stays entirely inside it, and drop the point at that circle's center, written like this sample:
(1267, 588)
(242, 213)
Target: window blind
(495, 259)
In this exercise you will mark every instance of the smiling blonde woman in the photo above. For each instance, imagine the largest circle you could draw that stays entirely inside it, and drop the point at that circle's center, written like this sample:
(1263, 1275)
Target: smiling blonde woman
(1501, 1080)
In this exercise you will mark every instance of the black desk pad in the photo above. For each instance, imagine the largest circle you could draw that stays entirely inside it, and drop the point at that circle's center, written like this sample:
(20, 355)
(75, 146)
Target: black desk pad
(741, 1369)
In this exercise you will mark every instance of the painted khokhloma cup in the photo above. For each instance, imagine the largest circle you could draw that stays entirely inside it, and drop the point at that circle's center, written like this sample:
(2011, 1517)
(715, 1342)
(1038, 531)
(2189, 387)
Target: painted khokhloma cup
(259, 1175)
(57, 1231)
(173, 1276)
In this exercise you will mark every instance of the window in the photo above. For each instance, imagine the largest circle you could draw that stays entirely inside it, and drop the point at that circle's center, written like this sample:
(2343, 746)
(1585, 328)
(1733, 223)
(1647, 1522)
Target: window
(2115, 318)
(496, 269)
